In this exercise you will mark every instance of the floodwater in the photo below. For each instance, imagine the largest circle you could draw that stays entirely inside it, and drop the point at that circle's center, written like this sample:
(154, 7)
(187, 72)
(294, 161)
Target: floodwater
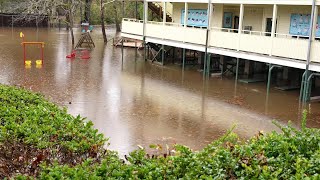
(139, 103)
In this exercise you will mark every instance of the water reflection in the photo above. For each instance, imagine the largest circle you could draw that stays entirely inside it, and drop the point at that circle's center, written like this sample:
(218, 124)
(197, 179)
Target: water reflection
(135, 102)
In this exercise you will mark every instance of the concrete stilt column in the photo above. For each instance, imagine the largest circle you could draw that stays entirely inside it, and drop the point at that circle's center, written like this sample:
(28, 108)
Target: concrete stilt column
(237, 70)
(162, 55)
(201, 59)
(285, 73)
(248, 68)
(223, 64)
(183, 58)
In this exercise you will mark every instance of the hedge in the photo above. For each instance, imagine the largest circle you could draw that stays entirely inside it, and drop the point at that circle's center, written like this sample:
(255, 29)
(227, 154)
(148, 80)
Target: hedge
(39, 140)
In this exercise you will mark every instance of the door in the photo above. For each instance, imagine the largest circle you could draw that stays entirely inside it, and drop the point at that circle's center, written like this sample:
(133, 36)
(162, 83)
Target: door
(236, 23)
(268, 26)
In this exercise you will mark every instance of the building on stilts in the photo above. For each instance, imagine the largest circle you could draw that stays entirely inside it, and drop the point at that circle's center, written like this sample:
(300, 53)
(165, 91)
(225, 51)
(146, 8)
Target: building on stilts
(255, 40)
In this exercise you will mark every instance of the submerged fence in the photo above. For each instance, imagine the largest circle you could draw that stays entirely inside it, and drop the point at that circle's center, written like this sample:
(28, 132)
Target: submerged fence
(17, 20)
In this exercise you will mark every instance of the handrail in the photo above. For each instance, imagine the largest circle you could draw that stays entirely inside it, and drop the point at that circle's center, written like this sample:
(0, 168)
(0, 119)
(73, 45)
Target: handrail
(174, 24)
(229, 30)
(132, 20)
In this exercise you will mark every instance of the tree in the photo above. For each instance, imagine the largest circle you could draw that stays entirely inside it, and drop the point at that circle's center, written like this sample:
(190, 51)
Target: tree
(116, 15)
(41, 9)
(103, 29)
(87, 10)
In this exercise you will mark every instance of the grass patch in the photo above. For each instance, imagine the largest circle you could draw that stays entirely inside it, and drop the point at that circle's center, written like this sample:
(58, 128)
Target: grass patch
(41, 140)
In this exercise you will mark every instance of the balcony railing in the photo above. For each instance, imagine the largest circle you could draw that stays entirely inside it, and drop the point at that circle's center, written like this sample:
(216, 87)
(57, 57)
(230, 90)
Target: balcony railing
(282, 45)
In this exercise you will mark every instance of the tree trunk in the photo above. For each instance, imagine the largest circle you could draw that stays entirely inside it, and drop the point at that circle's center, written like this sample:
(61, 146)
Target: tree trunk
(102, 22)
(117, 21)
(71, 25)
(87, 10)
(68, 21)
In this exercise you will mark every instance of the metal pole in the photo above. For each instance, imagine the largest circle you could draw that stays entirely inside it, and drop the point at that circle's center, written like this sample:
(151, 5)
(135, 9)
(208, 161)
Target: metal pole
(237, 69)
(42, 53)
(302, 86)
(135, 44)
(122, 38)
(183, 58)
(308, 87)
(24, 53)
(269, 77)
(145, 19)
(162, 55)
(208, 64)
(309, 46)
(207, 37)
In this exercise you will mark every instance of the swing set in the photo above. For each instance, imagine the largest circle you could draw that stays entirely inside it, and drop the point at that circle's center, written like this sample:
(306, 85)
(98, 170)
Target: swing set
(26, 43)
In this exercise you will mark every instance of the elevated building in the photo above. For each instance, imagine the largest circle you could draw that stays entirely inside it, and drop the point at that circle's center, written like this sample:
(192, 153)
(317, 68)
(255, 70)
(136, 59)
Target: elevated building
(272, 32)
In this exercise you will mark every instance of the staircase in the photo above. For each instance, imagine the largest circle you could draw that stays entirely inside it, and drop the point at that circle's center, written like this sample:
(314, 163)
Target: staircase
(158, 9)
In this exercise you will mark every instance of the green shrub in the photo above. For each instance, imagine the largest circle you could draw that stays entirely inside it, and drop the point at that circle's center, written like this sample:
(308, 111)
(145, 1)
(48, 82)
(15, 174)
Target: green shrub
(29, 119)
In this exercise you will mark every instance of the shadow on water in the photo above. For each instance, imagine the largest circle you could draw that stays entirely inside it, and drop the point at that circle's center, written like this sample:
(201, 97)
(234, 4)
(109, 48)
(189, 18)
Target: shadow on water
(138, 103)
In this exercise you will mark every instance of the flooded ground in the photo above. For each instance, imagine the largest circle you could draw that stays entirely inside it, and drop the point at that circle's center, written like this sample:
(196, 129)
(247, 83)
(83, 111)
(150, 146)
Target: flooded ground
(138, 103)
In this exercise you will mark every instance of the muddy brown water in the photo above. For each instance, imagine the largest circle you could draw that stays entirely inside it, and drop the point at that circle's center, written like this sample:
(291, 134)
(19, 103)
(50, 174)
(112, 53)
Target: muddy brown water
(139, 103)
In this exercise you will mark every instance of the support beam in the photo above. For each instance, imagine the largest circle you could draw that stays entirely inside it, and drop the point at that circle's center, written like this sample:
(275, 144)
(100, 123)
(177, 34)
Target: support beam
(274, 25)
(308, 87)
(237, 70)
(223, 64)
(145, 19)
(122, 38)
(315, 21)
(183, 58)
(241, 18)
(162, 55)
(164, 13)
(185, 14)
(240, 24)
(208, 64)
(207, 37)
(311, 32)
(274, 20)
(271, 67)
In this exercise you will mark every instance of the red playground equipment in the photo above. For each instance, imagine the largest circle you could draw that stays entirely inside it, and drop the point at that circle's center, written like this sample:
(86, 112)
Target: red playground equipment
(24, 44)
(85, 54)
(72, 55)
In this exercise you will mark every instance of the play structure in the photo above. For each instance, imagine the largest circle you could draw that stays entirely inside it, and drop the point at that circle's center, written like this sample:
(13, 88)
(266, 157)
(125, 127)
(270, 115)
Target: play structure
(26, 43)
(84, 54)
(85, 41)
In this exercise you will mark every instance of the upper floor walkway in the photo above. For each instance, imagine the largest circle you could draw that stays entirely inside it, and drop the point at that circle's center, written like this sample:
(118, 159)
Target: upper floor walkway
(271, 33)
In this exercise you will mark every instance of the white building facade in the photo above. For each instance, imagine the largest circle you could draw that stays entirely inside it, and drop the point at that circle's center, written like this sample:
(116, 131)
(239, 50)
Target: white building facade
(269, 31)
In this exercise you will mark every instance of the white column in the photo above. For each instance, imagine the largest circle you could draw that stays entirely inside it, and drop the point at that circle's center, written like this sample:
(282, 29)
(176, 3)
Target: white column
(316, 10)
(241, 18)
(164, 12)
(274, 26)
(274, 20)
(185, 14)
(145, 11)
(211, 14)
(240, 24)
